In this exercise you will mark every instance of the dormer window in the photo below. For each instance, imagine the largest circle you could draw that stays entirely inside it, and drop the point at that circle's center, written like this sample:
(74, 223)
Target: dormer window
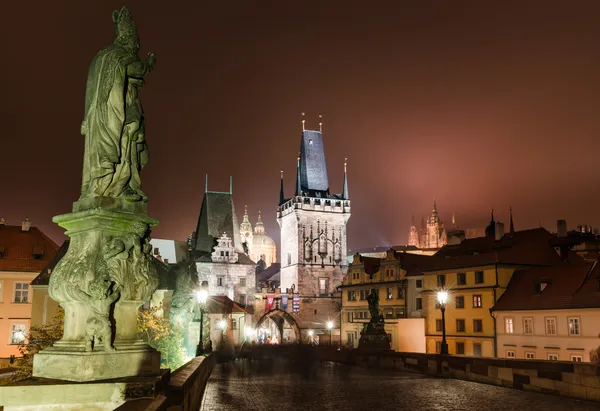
(539, 287)
(2, 250)
(38, 252)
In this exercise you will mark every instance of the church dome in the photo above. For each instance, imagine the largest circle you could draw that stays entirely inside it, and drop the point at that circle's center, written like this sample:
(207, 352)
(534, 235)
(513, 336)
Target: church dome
(262, 240)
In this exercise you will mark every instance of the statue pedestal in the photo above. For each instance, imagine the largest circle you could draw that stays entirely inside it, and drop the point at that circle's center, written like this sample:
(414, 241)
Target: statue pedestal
(374, 338)
(103, 279)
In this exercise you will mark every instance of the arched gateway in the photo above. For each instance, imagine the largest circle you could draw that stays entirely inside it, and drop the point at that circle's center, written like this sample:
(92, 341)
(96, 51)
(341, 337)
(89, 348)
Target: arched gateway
(280, 317)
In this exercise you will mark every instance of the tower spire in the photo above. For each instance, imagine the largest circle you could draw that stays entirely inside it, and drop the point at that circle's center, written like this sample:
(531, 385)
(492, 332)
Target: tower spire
(281, 196)
(230, 185)
(512, 225)
(206, 184)
(298, 187)
(453, 220)
(303, 120)
(345, 189)
(321, 123)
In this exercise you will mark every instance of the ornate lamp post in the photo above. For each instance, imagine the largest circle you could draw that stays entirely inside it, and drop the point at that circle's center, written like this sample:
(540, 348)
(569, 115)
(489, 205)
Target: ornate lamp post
(202, 296)
(330, 327)
(442, 299)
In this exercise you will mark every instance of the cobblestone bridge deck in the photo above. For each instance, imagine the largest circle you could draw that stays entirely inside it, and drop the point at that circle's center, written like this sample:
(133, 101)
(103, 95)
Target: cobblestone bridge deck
(277, 384)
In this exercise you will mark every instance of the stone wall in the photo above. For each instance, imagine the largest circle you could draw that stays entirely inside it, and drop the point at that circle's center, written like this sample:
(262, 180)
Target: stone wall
(576, 380)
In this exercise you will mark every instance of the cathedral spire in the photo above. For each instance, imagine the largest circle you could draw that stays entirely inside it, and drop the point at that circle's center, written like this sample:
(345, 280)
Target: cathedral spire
(453, 220)
(206, 184)
(345, 190)
(281, 196)
(298, 181)
(320, 123)
(303, 121)
(512, 225)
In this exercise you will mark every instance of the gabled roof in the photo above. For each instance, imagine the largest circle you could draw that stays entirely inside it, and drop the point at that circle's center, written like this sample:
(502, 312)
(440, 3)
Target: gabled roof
(268, 273)
(217, 216)
(221, 304)
(17, 249)
(573, 285)
(414, 264)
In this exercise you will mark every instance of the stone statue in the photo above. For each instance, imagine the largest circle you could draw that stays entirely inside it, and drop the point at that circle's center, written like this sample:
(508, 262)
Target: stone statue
(98, 326)
(373, 300)
(107, 273)
(183, 301)
(113, 126)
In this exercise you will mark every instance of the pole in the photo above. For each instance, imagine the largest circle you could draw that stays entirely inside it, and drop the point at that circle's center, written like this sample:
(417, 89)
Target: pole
(444, 348)
(200, 348)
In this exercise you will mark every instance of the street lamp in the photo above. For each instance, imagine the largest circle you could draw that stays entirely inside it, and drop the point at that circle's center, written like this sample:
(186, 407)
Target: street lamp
(442, 298)
(202, 296)
(330, 327)
(223, 326)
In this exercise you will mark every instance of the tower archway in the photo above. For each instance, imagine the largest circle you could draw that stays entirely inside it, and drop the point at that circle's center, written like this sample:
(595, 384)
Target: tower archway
(280, 318)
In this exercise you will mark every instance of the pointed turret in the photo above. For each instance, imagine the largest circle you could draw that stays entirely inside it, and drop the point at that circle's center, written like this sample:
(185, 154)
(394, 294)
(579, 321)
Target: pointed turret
(512, 225)
(345, 189)
(259, 227)
(434, 213)
(246, 226)
(453, 221)
(281, 195)
(490, 230)
(298, 180)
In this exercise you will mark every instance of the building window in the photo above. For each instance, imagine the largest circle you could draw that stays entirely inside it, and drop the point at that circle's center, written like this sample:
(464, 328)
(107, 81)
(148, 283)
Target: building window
(508, 325)
(389, 314)
(461, 279)
(17, 333)
(438, 347)
(438, 325)
(242, 282)
(460, 301)
(419, 303)
(477, 301)
(390, 293)
(478, 326)
(477, 349)
(351, 295)
(510, 354)
(529, 355)
(576, 358)
(21, 292)
(323, 286)
(441, 280)
(290, 258)
(478, 277)
(574, 326)
(460, 326)
(460, 348)
(233, 324)
(400, 292)
(552, 357)
(551, 326)
(219, 281)
(528, 325)
(242, 299)
(419, 284)
(363, 294)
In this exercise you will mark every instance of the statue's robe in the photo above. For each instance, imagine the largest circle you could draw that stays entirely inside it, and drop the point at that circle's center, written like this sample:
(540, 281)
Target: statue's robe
(108, 160)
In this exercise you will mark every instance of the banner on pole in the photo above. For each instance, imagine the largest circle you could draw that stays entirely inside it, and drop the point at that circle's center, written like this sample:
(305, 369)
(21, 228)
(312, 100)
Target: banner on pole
(270, 300)
(296, 303)
(284, 302)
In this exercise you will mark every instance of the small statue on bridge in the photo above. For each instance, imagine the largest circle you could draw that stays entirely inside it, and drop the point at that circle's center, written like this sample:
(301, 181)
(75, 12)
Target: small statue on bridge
(373, 336)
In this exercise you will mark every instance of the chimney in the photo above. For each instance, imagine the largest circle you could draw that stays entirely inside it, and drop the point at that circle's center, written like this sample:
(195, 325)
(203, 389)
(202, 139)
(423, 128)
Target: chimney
(2, 222)
(499, 230)
(25, 225)
(561, 228)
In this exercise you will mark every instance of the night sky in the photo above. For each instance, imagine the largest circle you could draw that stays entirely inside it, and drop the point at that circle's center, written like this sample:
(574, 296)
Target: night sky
(469, 103)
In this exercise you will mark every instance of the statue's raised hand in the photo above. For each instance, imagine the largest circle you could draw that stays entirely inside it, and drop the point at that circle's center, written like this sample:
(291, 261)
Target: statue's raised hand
(151, 60)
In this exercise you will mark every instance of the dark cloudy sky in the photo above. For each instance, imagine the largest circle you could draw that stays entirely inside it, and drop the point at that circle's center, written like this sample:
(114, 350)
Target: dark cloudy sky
(473, 103)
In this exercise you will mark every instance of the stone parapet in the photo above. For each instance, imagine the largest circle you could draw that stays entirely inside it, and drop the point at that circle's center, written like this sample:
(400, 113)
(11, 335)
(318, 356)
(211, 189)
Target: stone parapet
(576, 380)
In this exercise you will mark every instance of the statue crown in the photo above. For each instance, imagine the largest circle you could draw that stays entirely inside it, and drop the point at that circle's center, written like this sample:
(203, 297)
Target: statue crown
(124, 25)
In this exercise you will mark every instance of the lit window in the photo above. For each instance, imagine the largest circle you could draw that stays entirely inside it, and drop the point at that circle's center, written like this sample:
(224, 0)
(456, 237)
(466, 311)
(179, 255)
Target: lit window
(21, 292)
(574, 326)
(530, 355)
(576, 358)
(551, 326)
(390, 293)
(477, 301)
(17, 334)
(510, 354)
(552, 357)
(233, 324)
(323, 286)
(508, 326)
(528, 325)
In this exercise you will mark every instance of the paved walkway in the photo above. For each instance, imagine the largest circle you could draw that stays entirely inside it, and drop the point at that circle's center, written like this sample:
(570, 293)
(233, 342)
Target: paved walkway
(279, 385)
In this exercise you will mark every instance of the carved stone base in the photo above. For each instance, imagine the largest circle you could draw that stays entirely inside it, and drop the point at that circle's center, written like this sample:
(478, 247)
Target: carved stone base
(95, 365)
(374, 338)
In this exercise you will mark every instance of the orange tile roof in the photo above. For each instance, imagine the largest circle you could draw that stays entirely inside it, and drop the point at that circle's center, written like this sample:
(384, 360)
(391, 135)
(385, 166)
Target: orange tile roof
(17, 249)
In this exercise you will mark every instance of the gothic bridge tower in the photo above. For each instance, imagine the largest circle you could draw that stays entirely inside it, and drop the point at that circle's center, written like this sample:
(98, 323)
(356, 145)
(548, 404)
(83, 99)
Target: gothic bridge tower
(313, 224)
